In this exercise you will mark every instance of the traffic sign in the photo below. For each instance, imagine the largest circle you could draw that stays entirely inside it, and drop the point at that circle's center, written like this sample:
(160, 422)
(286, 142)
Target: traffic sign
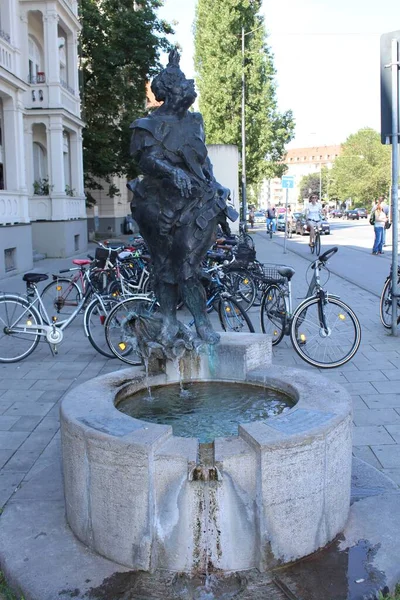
(287, 181)
(387, 40)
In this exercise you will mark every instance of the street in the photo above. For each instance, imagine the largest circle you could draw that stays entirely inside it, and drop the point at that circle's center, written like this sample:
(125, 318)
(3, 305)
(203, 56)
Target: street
(354, 261)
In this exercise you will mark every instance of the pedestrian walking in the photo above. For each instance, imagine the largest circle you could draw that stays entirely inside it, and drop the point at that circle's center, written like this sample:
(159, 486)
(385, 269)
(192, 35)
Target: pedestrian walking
(378, 219)
(251, 217)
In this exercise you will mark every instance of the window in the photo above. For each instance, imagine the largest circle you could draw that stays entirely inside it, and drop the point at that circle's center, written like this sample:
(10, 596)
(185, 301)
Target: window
(34, 60)
(9, 259)
(39, 162)
(76, 242)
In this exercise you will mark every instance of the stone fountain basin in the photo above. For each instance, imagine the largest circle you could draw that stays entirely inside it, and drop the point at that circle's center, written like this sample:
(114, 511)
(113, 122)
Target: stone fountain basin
(279, 490)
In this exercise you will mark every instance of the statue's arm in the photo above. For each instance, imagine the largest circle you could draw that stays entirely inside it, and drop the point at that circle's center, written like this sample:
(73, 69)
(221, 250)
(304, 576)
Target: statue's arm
(152, 162)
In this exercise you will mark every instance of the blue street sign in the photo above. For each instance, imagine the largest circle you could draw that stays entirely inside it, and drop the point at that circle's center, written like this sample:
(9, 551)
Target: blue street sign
(287, 181)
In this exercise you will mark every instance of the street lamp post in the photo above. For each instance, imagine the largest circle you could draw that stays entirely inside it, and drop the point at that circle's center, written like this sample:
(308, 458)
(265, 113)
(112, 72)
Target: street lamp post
(244, 182)
(244, 190)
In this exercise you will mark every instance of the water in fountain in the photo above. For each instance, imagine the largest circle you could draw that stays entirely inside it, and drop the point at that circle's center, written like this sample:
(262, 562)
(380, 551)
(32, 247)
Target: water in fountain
(206, 410)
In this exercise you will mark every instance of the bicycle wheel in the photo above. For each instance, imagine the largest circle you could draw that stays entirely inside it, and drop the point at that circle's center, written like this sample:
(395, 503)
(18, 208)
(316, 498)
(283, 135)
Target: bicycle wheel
(94, 319)
(19, 335)
(274, 312)
(325, 333)
(121, 342)
(317, 244)
(248, 240)
(385, 305)
(240, 283)
(232, 316)
(60, 299)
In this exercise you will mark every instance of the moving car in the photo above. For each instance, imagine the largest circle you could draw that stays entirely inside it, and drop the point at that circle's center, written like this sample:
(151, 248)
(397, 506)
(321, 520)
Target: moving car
(337, 213)
(352, 214)
(302, 228)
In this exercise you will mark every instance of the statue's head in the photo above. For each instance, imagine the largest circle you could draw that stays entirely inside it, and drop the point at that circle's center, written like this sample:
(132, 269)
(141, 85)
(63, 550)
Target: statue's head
(171, 83)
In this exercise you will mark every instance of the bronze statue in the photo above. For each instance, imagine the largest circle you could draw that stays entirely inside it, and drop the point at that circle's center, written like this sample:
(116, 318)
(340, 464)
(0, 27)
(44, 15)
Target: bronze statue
(177, 202)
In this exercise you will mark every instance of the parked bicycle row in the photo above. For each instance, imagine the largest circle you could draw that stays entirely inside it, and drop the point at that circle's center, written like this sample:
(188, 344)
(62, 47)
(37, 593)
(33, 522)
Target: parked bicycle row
(117, 283)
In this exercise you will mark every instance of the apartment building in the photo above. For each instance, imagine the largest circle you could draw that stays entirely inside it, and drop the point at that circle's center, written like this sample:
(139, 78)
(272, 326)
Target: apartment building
(299, 162)
(42, 201)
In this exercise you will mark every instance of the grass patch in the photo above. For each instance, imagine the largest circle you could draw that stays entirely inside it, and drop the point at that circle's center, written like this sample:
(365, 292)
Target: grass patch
(395, 596)
(5, 592)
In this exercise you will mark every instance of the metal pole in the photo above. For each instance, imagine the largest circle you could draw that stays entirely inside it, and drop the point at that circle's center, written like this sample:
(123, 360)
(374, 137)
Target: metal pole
(244, 197)
(286, 205)
(320, 181)
(395, 181)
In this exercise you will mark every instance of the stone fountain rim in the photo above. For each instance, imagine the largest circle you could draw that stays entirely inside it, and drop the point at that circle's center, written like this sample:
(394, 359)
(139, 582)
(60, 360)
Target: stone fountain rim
(98, 417)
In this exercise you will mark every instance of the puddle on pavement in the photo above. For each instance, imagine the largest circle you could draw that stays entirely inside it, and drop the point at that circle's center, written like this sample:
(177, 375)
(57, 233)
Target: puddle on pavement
(331, 573)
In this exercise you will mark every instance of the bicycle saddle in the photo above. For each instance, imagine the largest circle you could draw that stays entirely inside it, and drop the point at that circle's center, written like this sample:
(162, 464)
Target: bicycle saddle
(81, 262)
(287, 272)
(34, 277)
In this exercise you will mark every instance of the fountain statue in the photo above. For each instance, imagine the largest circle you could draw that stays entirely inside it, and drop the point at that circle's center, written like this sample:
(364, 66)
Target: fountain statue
(177, 203)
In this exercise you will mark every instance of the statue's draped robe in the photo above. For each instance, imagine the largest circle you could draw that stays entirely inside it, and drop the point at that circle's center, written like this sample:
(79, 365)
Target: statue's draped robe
(178, 230)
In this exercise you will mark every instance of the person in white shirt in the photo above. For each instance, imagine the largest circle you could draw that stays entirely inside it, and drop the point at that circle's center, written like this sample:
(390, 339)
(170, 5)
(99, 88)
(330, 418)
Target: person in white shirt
(313, 215)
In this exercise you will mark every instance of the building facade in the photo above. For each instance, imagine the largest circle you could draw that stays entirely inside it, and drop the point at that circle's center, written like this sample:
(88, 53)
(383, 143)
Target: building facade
(42, 201)
(300, 162)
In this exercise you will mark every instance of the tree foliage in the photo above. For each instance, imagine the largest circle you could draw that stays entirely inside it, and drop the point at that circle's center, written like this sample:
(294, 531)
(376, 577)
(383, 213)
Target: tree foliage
(218, 61)
(119, 49)
(362, 170)
(311, 184)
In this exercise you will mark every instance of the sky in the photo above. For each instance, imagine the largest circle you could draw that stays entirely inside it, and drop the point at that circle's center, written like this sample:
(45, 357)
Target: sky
(327, 58)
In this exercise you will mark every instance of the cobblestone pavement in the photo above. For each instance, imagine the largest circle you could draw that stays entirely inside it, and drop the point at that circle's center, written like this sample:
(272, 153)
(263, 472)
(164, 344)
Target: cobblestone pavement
(31, 391)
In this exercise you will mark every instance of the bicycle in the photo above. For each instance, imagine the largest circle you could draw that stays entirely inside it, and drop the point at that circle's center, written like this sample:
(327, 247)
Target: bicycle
(316, 247)
(123, 345)
(270, 227)
(385, 303)
(64, 294)
(25, 320)
(324, 331)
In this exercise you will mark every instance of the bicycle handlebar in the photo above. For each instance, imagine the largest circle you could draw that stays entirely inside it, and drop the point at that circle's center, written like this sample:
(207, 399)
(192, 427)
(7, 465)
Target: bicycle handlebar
(327, 255)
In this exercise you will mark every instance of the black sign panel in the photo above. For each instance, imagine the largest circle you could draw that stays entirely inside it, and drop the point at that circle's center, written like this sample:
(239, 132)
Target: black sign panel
(386, 84)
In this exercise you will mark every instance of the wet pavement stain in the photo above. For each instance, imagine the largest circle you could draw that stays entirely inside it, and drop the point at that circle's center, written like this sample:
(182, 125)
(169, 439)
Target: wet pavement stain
(334, 574)
(329, 574)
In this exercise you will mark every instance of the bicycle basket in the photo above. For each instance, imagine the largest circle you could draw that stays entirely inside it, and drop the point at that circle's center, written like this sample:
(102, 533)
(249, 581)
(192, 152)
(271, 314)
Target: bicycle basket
(244, 254)
(270, 274)
(102, 254)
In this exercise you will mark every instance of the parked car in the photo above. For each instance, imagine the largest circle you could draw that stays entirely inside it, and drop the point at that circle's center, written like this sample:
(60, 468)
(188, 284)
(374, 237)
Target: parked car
(337, 213)
(259, 217)
(280, 223)
(352, 214)
(362, 213)
(302, 228)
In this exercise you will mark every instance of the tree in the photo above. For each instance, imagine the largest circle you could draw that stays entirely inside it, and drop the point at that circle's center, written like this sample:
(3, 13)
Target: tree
(362, 170)
(119, 50)
(218, 62)
(314, 182)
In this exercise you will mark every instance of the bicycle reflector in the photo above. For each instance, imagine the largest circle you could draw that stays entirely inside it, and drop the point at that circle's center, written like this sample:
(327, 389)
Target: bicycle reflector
(29, 322)
(342, 316)
(302, 337)
(59, 288)
(122, 346)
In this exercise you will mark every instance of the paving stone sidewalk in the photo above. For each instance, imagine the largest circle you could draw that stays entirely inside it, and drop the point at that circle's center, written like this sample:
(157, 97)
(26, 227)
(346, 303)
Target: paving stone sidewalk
(31, 391)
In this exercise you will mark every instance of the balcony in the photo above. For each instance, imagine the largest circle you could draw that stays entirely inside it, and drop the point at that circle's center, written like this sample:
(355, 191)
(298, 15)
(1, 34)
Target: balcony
(67, 87)
(5, 36)
(12, 208)
(6, 52)
(37, 79)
